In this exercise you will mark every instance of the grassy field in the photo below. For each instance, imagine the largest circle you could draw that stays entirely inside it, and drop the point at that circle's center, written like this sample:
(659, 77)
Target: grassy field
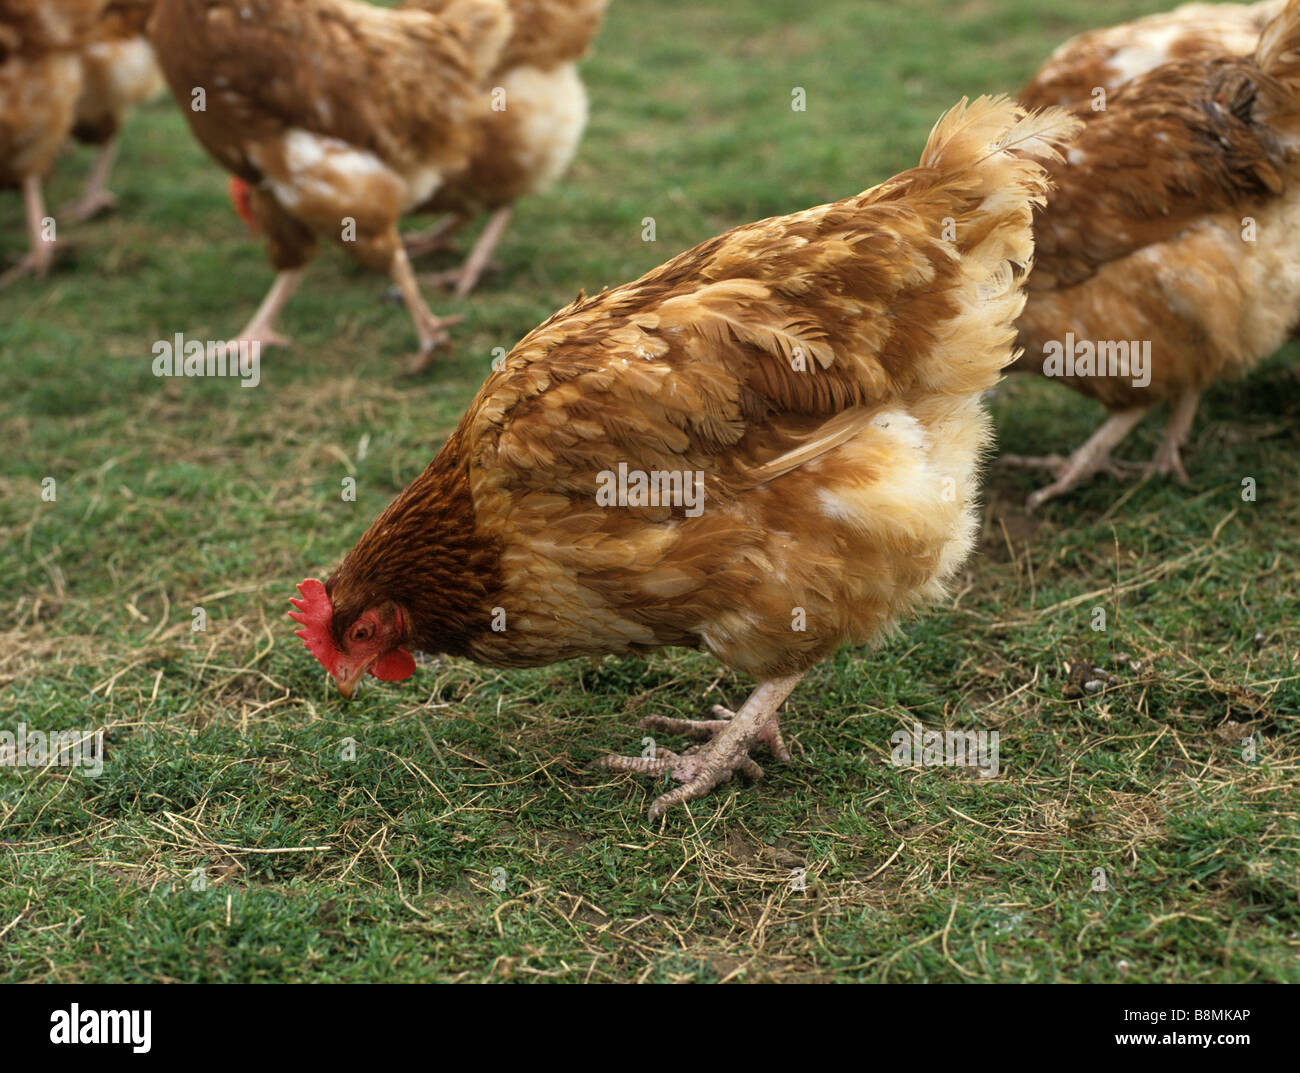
(465, 840)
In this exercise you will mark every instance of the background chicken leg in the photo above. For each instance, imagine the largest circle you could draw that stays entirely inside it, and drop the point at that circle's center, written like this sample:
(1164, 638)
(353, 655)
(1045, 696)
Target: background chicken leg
(261, 328)
(95, 197)
(467, 276)
(41, 253)
(431, 329)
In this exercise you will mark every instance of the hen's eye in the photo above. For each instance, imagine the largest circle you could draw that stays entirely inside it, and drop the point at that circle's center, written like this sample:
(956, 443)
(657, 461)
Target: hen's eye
(362, 632)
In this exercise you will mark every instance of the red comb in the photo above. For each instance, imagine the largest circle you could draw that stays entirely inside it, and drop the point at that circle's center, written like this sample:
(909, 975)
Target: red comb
(240, 198)
(315, 612)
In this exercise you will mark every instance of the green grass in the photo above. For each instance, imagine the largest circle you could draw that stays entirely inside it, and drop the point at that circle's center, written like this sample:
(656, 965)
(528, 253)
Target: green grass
(224, 746)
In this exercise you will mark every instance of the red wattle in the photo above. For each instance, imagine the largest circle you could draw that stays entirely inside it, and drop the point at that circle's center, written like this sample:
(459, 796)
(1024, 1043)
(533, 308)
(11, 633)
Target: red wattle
(240, 199)
(395, 666)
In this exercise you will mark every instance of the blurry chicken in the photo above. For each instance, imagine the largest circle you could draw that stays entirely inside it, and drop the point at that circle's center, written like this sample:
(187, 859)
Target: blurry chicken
(767, 447)
(525, 126)
(119, 73)
(1172, 227)
(1107, 58)
(40, 85)
(339, 116)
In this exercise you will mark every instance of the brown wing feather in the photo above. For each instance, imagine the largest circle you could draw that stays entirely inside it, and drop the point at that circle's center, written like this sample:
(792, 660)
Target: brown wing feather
(1172, 146)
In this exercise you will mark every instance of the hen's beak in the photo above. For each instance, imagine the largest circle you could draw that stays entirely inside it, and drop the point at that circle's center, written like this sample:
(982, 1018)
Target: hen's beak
(347, 677)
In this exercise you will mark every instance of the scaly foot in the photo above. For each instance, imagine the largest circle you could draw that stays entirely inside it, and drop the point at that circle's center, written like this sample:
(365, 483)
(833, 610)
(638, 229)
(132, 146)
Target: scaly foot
(1168, 462)
(457, 279)
(433, 337)
(37, 263)
(730, 736)
(708, 729)
(701, 768)
(1091, 458)
(88, 206)
(1057, 465)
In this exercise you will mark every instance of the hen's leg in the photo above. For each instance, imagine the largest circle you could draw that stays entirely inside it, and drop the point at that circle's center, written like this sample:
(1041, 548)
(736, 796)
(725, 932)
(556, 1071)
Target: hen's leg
(432, 330)
(702, 767)
(467, 276)
(261, 329)
(96, 197)
(1168, 461)
(41, 251)
(435, 238)
(1088, 460)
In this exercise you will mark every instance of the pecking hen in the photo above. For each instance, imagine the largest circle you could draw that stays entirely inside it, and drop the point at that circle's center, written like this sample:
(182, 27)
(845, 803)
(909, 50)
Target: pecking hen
(1166, 252)
(768, 447)
(338, 116)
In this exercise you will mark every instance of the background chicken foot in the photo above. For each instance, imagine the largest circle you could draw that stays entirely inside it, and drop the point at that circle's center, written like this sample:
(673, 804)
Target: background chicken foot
(95, 197)
(261, 329)
(467, 276)
(1087, 461)
(703, 767)
(436, 238)
(1168, 461)
(431, 329)
(41, 253)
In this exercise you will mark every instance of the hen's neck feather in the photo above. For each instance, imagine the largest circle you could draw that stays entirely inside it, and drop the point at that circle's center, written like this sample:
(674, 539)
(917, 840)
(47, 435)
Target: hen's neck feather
(425, 554)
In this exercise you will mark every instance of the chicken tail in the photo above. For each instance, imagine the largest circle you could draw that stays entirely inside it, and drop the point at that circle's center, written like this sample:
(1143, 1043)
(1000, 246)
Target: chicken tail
(483, 25)
(984, 158)
(982, 175)
(1278, 57)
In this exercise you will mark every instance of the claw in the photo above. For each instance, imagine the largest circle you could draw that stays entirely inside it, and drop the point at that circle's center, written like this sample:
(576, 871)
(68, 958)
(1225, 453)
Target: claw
(89, 205)
(724, 749)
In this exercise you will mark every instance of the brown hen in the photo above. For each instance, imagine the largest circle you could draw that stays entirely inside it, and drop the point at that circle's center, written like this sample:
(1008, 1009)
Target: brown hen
(768, 448)
(340, 116)
(1107, 58)
(1167, 257)
(119, 72)
(41, 79)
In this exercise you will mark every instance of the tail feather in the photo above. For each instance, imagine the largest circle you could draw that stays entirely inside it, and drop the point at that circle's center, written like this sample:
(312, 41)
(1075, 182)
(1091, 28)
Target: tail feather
(983, 171)
(1278, 51)
(1278, 57)
(971, 131)
(484, 25)
(987, 157)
